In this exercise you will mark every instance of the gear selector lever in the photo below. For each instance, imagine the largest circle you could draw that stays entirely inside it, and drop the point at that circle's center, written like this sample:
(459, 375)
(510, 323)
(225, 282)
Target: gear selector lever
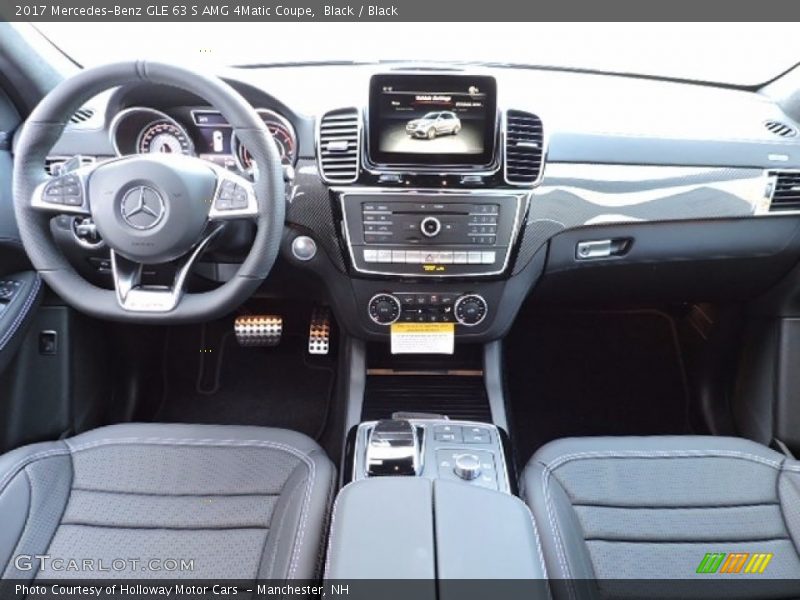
(393, 449)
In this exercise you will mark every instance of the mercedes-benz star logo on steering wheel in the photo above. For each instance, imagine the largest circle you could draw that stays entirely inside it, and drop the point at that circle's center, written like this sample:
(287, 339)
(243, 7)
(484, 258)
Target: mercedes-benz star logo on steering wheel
(142, 207)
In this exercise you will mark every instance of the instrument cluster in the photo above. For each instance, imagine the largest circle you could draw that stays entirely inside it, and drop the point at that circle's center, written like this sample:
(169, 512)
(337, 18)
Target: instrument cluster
(204, 133)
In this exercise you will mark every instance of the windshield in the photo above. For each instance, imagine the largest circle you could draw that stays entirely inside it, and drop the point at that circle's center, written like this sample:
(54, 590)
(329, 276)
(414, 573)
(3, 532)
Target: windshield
(733, 53)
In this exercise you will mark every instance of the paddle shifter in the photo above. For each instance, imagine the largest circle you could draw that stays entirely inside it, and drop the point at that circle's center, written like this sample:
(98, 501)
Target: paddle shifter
(393, 449)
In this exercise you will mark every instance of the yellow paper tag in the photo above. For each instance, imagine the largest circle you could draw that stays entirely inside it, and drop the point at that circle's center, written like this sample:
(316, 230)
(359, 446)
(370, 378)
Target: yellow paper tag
(423, 338)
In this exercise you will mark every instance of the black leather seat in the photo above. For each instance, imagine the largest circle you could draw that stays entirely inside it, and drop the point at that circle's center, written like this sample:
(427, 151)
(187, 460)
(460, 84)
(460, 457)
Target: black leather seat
(646, 508)
(238, 502)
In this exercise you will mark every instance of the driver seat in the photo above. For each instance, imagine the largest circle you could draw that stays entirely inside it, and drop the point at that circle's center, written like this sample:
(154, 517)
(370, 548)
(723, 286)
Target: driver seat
(238, 502)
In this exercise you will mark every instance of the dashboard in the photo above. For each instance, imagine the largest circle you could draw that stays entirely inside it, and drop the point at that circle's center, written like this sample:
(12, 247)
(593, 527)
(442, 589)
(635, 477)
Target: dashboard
(450, 194)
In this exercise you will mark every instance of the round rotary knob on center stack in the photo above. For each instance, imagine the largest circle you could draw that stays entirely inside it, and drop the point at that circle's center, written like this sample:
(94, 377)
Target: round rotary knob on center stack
(468, 467)
(384, 309)
(430, 226)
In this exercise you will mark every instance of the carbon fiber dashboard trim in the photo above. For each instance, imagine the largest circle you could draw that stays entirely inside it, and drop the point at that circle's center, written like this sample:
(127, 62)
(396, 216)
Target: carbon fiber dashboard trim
(310, 207)
(578, 195)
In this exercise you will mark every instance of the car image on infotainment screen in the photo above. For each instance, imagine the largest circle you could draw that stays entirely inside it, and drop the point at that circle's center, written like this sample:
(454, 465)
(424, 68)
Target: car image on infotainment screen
(446, 121)
(435, 124)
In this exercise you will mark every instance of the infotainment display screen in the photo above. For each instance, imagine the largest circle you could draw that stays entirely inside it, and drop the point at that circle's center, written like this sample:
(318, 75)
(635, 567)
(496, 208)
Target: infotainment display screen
(432, 120)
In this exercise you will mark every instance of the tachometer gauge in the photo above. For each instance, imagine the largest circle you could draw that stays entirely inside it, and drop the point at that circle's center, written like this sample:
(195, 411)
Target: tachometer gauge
(283, 134)
(164, 137)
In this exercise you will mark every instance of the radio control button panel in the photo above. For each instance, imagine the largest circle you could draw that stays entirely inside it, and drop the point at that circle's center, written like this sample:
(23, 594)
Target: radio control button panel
(436, 234)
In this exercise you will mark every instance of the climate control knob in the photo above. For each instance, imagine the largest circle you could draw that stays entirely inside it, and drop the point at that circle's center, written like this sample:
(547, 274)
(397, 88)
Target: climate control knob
(430, 226)
(384, 309)
(470, 309)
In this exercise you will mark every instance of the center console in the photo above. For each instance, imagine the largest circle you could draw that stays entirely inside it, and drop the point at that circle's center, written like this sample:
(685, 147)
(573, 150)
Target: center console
(429, 501)
(462, 451)
(431, 183)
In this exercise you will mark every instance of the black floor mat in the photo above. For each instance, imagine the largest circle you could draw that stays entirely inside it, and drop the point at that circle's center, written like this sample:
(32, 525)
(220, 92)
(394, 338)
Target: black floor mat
(209, 378)
(582, 374)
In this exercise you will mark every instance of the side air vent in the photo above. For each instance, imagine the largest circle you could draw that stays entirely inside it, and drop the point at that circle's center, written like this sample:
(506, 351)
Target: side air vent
(524, 145)
(81, 115)
(780, 128)
(339, 144)
(785, 191)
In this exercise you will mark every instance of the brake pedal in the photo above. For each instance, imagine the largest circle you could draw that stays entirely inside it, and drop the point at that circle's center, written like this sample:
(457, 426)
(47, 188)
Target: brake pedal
(258, 330)
(319, 331)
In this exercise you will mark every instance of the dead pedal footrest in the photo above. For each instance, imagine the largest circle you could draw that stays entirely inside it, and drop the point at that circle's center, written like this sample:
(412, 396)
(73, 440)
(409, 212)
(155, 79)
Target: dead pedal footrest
(258, 330)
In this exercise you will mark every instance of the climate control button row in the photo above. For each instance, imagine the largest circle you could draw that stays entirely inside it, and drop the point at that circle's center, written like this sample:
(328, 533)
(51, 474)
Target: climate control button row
(386, 308)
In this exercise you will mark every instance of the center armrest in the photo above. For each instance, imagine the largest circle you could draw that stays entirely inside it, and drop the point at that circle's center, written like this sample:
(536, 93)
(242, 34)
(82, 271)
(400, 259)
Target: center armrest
(417, 528)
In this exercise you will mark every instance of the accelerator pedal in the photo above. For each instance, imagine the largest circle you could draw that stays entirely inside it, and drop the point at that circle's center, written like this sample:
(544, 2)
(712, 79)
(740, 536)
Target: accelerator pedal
(319, 331)
(258, 330)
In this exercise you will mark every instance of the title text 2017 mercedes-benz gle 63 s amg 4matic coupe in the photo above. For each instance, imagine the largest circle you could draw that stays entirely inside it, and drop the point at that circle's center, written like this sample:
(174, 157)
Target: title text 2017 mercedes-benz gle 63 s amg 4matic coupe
(255, 329)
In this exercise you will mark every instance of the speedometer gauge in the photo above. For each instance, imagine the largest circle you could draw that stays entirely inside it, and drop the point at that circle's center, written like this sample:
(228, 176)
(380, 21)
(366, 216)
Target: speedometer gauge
(164, 137)
(283, 134)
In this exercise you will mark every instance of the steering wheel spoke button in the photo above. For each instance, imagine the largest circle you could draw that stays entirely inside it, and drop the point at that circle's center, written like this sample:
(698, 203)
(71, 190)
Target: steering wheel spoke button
(231, 196)
(65, 190)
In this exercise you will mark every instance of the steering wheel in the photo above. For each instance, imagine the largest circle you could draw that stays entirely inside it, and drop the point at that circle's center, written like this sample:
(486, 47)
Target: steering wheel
(149, 209)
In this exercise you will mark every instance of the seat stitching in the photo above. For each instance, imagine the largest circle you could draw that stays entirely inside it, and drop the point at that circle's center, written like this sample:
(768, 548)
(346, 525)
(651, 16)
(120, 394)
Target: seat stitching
(679, 542)
(300, 535)
(659, 507)
(25, 523)
(783, 516)
(538, 543)
(561, 555)
(278, 532)
(32, 295)
(181, 495)
(332, 533)
(25, 461)
(550, 467)
(226, 443)
(327, 525)
(164, 527)
(186, 442)
(564, 458)
(295, 541)
(73, 448)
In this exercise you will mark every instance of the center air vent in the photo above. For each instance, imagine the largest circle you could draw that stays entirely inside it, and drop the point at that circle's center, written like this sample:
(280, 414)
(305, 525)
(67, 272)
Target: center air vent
(780, 128)
(339, 145)
(524, 147)
(785, 191)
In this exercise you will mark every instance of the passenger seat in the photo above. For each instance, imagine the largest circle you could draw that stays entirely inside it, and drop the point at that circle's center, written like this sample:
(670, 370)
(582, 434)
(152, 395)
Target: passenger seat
(615, 508)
